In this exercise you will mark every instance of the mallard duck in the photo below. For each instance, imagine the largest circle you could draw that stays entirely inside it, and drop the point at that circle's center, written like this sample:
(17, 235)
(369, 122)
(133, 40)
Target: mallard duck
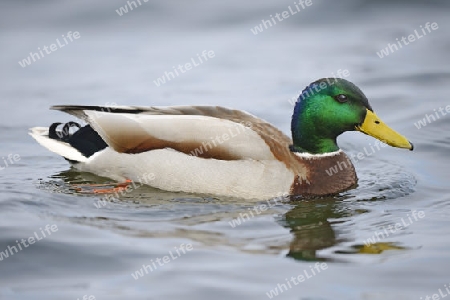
(221, 151)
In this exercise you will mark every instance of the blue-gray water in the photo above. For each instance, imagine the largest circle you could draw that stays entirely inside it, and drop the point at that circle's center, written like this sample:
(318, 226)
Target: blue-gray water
(116, 60)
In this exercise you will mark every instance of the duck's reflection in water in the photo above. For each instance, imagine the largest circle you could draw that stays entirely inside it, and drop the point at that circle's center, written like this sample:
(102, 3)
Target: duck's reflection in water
(310, 222)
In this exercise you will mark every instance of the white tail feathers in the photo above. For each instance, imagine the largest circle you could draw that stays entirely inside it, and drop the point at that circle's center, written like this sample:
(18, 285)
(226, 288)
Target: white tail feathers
(40, 134)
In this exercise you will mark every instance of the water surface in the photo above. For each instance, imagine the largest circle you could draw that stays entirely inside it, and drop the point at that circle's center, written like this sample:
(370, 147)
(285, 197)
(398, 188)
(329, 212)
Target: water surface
(116, 60)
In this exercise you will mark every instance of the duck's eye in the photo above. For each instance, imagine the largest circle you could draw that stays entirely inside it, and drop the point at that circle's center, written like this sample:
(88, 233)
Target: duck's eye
(341, 98)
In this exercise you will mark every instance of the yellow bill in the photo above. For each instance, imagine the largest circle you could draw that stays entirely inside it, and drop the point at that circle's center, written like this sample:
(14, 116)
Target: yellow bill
(376, 128)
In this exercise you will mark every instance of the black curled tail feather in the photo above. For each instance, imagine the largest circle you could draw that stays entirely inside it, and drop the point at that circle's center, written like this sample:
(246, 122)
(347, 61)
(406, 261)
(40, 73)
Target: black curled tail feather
(85, 139)
(64, 134)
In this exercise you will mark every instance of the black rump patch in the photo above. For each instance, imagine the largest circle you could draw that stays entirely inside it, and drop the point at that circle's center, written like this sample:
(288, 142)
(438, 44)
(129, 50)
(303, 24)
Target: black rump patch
(85, 139)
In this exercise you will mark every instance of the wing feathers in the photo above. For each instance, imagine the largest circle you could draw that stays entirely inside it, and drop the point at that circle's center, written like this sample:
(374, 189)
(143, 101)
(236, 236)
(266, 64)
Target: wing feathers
(204, 131)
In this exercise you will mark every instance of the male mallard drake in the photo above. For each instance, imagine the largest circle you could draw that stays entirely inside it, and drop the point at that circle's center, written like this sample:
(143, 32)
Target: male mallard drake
(215, 150)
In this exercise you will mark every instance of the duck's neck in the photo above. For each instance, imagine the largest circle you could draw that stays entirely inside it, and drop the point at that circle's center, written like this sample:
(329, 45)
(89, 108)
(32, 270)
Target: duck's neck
(310, 144)
(308, 138)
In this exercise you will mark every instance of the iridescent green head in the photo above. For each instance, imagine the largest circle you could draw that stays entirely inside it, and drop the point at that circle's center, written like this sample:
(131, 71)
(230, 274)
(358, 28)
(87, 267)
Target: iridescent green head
(330, 106)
